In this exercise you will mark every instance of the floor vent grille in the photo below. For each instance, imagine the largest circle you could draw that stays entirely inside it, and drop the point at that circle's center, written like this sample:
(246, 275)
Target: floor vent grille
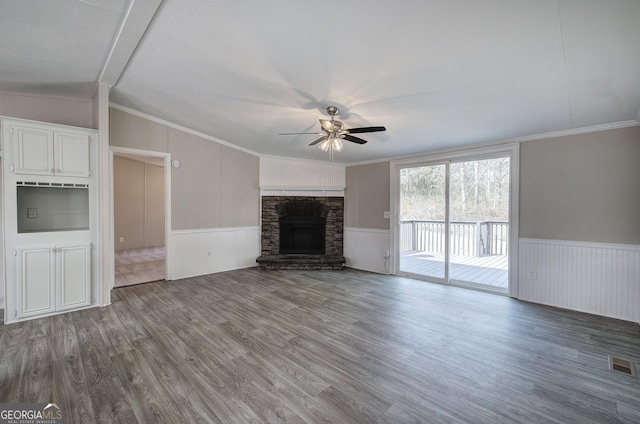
(622, 366)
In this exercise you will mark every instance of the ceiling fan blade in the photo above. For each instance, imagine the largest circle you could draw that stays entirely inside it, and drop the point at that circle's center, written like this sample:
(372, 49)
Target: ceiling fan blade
(353, 139)
(316, 133)
(327, 125)
(313, 143)
(364, 130)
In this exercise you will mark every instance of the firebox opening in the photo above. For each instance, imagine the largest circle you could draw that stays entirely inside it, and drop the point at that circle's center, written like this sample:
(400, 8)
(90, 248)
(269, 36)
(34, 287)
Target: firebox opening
(302, 234)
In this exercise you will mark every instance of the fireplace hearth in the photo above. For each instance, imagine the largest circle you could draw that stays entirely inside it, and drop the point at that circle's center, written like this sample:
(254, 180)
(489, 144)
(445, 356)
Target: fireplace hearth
(302, 233)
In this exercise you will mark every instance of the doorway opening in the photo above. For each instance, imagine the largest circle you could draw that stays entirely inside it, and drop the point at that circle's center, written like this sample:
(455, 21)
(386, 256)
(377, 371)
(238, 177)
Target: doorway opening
(139, 199)
(455, 219)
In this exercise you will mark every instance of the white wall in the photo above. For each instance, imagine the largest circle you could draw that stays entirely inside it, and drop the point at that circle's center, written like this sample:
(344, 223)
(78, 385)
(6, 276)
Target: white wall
(364, 249)
(199, 252)
(598, 278)
(290, 177)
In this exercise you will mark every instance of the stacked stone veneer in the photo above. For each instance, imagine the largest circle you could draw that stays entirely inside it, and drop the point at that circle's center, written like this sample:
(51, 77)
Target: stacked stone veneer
(330, 208)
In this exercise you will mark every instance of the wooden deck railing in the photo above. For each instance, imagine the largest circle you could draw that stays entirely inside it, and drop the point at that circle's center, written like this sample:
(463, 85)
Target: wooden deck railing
(467, 238)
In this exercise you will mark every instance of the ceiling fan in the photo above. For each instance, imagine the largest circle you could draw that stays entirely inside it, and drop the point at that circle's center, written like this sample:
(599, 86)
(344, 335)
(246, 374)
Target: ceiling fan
(333, 132)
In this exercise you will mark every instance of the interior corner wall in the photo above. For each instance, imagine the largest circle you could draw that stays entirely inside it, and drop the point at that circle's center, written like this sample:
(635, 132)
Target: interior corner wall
(51, 109)
(366, 232)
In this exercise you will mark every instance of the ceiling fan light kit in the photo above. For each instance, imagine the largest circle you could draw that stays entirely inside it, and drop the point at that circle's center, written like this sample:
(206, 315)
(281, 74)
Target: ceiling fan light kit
(333, 132)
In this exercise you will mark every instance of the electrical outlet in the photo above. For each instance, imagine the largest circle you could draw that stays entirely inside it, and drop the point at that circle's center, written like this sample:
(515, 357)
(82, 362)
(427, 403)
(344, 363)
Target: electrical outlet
(353, 250)
(121, 239)
(533, 275)
(386, 253)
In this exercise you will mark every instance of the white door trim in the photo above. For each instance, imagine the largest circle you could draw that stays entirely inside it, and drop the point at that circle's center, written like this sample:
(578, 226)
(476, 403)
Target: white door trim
(166, 157)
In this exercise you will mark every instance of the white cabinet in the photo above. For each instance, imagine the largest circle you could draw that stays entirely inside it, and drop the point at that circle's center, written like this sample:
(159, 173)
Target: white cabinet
(36, 278)
(74, 276)
(53, 278)
(39, 151)
(48, 182)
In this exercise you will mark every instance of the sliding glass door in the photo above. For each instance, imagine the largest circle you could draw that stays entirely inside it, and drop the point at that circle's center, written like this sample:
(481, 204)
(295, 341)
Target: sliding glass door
(453, 221)
(479, 223)
(423, 208)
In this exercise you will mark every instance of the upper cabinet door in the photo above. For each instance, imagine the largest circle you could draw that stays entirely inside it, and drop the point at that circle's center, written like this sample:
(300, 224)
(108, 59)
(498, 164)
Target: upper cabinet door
(33, 151)
(44, 152)
(71, 154)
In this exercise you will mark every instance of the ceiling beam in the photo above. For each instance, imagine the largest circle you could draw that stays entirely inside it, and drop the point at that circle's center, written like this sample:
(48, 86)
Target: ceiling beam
(136, 21)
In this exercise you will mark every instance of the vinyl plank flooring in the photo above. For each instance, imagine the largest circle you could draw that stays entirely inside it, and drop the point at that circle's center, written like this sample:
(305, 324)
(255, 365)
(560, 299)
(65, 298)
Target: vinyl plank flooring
(251, 346)
(71, 390)
(109, 400)
(11, 361)
(171, 381)
(36, 374)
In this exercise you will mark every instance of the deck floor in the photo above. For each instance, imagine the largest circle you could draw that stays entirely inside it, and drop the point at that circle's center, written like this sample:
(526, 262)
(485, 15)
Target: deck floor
(491, 271)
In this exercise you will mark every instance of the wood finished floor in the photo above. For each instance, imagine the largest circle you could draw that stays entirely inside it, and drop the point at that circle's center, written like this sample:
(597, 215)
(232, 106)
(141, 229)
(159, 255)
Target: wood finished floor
(252, 346)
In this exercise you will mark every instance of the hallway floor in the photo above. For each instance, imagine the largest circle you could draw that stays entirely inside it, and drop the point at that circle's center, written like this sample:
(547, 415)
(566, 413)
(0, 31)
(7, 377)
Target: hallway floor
(135, 266)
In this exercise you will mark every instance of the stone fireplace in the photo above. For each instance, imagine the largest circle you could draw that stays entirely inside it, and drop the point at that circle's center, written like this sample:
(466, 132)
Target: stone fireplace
(302, 232)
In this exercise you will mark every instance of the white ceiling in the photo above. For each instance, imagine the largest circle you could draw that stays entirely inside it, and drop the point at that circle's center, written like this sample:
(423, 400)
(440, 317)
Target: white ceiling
(436, 73)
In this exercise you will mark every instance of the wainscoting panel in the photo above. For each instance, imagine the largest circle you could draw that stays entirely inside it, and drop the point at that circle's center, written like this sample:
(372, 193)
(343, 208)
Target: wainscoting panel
(200, 252)
(602, 279)
(364, 248)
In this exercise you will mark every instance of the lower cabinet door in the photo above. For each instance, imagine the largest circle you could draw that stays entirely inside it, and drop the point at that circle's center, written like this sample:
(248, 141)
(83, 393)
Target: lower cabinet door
(53, 278)
(36, 278)
(74, 276)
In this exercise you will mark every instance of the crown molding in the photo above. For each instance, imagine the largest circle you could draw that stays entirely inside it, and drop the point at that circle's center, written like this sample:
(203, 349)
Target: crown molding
(541, 136)
(179, 128)
(533, 137)
(576, 131)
